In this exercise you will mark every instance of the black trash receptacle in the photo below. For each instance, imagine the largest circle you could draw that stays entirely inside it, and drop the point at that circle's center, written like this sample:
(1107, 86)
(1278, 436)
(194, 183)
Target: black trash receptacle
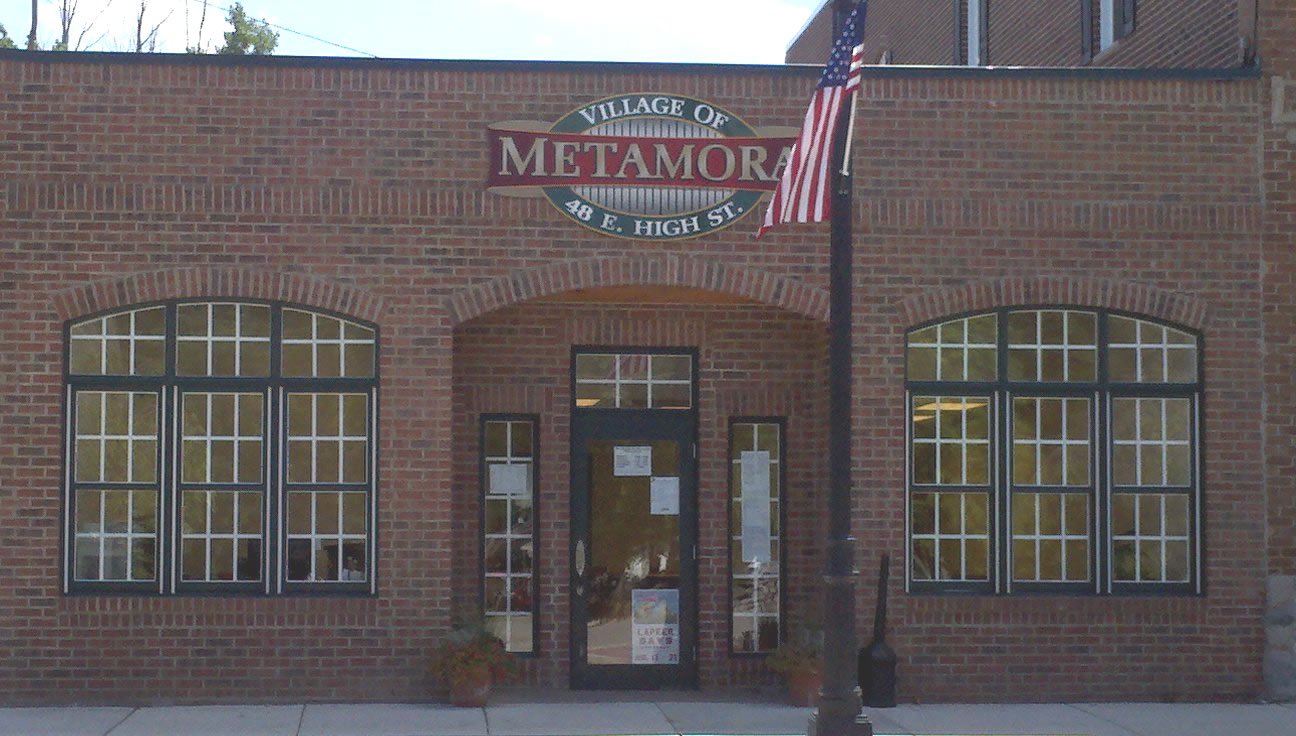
(877, 675)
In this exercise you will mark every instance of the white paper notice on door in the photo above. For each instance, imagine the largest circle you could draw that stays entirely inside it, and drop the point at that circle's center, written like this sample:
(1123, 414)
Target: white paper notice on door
(665, 496)
(755, 468)
(510, 480)
(632, 461)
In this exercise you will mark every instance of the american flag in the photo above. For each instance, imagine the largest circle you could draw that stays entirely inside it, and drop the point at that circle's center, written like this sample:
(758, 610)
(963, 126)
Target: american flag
(804, 192)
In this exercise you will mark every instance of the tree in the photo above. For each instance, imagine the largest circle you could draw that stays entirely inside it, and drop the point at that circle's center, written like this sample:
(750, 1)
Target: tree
(249, 35)
(67, 19)
(5, 41)
(145, 37)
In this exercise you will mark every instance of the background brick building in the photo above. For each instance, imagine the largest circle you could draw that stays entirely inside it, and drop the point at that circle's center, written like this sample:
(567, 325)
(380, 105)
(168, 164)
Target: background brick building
(354, 189)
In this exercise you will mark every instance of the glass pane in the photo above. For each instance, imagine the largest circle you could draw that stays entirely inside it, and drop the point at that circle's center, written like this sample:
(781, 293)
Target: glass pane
(672, 395)
(1124, 561)
(222, 559)
(296, 325)
(1176, 513)
(602, 395)
(981, 364)
(922, 364)
(326, 462)
(976, 557)
(254, 359)
(353, 513)
(326, 513)
(298, 360)
(1021, 328)
(520, 437)
(249, 559)
(193, 559)
(671, 367)
(327, 328)
(1077, 559)
(595, 367)
(299, 559)
(150, 358)
(117, 353)
(1023, 560)
(923, 510)
(495, 443)
(249, 513)
(634, 396)
(633, 367)
(1123, 364)
(1123, 515)
(1182, 365)
(299, 513)
(359, 360)
(951, 559)
(924, 559)
(222, 513)
(328, 360)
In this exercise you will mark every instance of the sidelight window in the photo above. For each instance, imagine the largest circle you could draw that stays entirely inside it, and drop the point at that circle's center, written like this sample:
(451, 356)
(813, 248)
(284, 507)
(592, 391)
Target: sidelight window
(508, 529)
(756, 533)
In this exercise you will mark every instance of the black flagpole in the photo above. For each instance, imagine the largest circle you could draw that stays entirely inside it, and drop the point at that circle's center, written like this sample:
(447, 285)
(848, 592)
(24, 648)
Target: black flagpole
(839, 712)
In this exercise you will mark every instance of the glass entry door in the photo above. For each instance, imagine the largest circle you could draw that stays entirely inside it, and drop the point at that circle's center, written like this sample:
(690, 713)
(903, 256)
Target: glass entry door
(633, 566)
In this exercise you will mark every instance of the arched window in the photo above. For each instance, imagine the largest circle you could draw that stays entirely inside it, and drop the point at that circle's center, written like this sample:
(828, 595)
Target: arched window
(1051, 450)
(220, 446)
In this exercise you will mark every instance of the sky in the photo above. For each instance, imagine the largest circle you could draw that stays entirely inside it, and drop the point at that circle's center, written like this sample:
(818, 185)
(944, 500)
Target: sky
(700, 31)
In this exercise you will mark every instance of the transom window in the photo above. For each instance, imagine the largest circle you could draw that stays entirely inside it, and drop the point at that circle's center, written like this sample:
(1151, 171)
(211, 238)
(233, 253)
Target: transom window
(634, 381)
(1053, 450)
(220, 446)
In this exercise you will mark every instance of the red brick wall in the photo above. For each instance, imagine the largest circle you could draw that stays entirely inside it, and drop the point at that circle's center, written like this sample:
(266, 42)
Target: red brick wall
(1047, 33)
(358, 186)
(1278, 28)
(753, 361)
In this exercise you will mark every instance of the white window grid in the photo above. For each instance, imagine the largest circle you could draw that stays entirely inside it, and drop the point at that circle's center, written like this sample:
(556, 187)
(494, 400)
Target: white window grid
(238, 339)
(963, 537)
(313, 438)
(341, 537)
(961, 345)
(1153, 354)
(102, 437)
(650, 381)
(237, 440)
(1036, 537)
(962, 444)
(758, 571)
(1067, 347)
(1159, 542)
(315, 341)
(207, 536)
(511, 619)
(1038, 442)
(1163, 443)
(134, 337)
(99, 539)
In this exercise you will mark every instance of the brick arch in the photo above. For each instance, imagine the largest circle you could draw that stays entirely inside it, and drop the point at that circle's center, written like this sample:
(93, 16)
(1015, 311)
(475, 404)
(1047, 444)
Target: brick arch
(1128, 296)
(660, 270)
(236, 283)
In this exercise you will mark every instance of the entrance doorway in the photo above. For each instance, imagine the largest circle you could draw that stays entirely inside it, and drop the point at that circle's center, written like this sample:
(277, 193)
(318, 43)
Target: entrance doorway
(634, 521)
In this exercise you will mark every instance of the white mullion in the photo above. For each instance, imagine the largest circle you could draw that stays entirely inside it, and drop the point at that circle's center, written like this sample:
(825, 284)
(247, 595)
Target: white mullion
(341, 444)
(211, 409)
(238, 351)
(280, 498)
(314, 440)
(103, 435)
(207, 536)
(314, 367)
(130, 539)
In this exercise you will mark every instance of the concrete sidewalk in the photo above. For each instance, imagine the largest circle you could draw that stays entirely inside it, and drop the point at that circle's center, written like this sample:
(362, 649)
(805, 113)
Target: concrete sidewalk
(654, 715)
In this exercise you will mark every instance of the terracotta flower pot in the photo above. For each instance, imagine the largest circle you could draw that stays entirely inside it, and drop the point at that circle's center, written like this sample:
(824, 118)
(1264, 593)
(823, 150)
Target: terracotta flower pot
(470, 688)
(803, 687)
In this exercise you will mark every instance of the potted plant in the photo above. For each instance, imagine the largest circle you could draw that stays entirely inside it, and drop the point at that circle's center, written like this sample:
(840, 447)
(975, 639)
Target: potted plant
(799, 659)
(471, 659)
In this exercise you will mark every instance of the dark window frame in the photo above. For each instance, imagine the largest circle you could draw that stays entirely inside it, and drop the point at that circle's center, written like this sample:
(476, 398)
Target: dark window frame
(1102, 490)
(170, 388)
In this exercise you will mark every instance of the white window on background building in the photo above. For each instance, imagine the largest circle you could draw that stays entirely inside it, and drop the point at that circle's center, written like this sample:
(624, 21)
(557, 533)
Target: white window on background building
(1053, 449)
(1115, 21)
(977, 26)
(220, 447)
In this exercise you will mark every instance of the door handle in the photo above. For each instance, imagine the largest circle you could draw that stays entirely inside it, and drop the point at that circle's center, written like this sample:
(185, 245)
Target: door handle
(579, 564)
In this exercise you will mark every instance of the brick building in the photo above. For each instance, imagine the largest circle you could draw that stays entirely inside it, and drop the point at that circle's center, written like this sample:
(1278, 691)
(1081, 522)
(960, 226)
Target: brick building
(285, 385)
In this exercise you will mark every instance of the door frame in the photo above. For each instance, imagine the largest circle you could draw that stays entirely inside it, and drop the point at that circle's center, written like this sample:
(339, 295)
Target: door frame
(634, 424)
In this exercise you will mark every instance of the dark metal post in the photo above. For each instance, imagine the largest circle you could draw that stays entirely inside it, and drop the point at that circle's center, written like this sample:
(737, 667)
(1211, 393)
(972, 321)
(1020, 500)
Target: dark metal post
(839, 711)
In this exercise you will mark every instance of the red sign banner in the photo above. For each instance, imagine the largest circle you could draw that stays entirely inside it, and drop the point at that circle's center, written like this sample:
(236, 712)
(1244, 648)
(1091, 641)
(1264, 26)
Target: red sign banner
(522, 158)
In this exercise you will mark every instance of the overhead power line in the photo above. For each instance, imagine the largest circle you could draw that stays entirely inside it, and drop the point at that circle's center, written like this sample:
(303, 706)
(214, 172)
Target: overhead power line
(293, 31)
